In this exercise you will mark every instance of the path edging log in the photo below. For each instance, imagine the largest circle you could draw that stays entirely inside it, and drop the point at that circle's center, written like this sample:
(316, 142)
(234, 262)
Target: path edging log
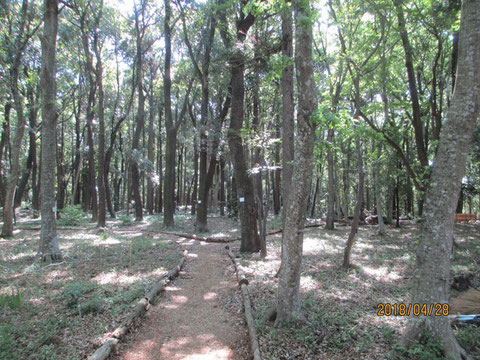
(142, 306)
(247, 306)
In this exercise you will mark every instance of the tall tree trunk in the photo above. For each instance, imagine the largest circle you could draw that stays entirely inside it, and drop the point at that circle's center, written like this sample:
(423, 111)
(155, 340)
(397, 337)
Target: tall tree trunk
(288, 109)
(31, 165)
(250, 241)
(151, 147)
(49, 249)
(222, 186)
(8, 204)
(140, 119)
(357, 210)
(101, 136)
(412, 85)
(378, 193)
(329, 222)
(431, 282)
(171, 140)
(61, 186)
(277, 174)
(160, 165)
(288, 297)
(4, 145)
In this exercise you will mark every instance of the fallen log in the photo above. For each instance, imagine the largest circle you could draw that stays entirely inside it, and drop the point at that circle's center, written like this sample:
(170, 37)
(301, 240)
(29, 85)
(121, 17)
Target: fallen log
(104, 351)
(141, 307)
(200, 238)
(247, 306)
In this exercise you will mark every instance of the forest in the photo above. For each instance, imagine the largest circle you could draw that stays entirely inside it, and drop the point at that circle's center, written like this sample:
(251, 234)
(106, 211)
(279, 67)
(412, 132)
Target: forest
(240, 179)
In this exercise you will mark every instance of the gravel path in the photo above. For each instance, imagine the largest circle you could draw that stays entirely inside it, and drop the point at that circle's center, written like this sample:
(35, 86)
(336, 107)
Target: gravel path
(191, 321)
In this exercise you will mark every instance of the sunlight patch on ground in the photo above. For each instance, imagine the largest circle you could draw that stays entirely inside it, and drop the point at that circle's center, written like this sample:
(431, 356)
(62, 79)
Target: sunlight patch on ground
(195, 349)
(219, 235)
(115, 278)
(53, 276)
(382, 273)
(309, 283)
(77, 236)
(107, 241)
(20, 255)
(210, 296)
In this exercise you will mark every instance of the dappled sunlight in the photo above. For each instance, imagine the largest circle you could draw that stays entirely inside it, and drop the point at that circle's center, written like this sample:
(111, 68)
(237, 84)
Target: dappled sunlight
(199, 347)
(107, 241)
(116, 277)
(22, 255)
(79, 236)
(56, 275)
(308, 283)
(175, 302)
(210, 296)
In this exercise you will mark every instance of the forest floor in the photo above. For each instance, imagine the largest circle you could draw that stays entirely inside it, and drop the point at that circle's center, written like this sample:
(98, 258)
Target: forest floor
(64, 311)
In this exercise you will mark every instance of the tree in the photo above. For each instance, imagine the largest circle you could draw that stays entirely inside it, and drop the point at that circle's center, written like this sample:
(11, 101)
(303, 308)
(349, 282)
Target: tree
(22, 38)
(49, 249)
(202, 71)
(431, 282)
(101, 130)
(288, 296)
(250, 241)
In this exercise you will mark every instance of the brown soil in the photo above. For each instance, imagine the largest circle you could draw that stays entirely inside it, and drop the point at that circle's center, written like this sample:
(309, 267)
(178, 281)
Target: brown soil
(190, 320)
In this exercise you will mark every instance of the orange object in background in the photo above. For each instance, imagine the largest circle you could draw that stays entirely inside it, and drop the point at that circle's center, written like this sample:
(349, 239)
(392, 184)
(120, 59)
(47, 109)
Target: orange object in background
(465, 217)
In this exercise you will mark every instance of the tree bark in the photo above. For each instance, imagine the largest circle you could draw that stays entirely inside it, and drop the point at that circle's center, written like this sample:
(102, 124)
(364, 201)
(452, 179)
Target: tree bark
(288, 296)
(329, 222)
(140, 119)
(8, 204)
(31, 164)
(288, 109)
(378, 193)
(101, 135)
(250, 241)
(431, 281)
(357, 210)
(49, 249)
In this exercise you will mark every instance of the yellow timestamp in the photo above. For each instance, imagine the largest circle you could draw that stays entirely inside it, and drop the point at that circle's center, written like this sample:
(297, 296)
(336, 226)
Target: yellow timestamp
(387, 309)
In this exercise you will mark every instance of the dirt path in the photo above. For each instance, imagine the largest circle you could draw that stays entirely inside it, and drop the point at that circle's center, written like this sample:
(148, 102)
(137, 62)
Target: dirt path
(190, 320)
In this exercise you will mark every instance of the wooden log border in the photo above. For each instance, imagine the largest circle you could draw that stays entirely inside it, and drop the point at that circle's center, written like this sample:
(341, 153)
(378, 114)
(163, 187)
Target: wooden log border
(142, 306)
(247, 306)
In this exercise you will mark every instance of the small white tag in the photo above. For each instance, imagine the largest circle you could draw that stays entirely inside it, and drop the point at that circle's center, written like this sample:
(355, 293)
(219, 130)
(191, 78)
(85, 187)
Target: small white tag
(54, 209)
(241, 199)
(199, 201)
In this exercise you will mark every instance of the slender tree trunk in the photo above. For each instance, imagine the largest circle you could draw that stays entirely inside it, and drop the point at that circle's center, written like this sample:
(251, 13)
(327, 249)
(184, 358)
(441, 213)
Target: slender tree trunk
(288, 297)
(277, 174)
(101, 137)
(329, 222)
(222, 186)
(431, 282)
(140, 119)
(8, 204)
(358, 208)
(171, 140)
(151, 149)
(5, 140)
(61, 186)
(288, 109)
(378, 193)
(49, 249)
(31, 165)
